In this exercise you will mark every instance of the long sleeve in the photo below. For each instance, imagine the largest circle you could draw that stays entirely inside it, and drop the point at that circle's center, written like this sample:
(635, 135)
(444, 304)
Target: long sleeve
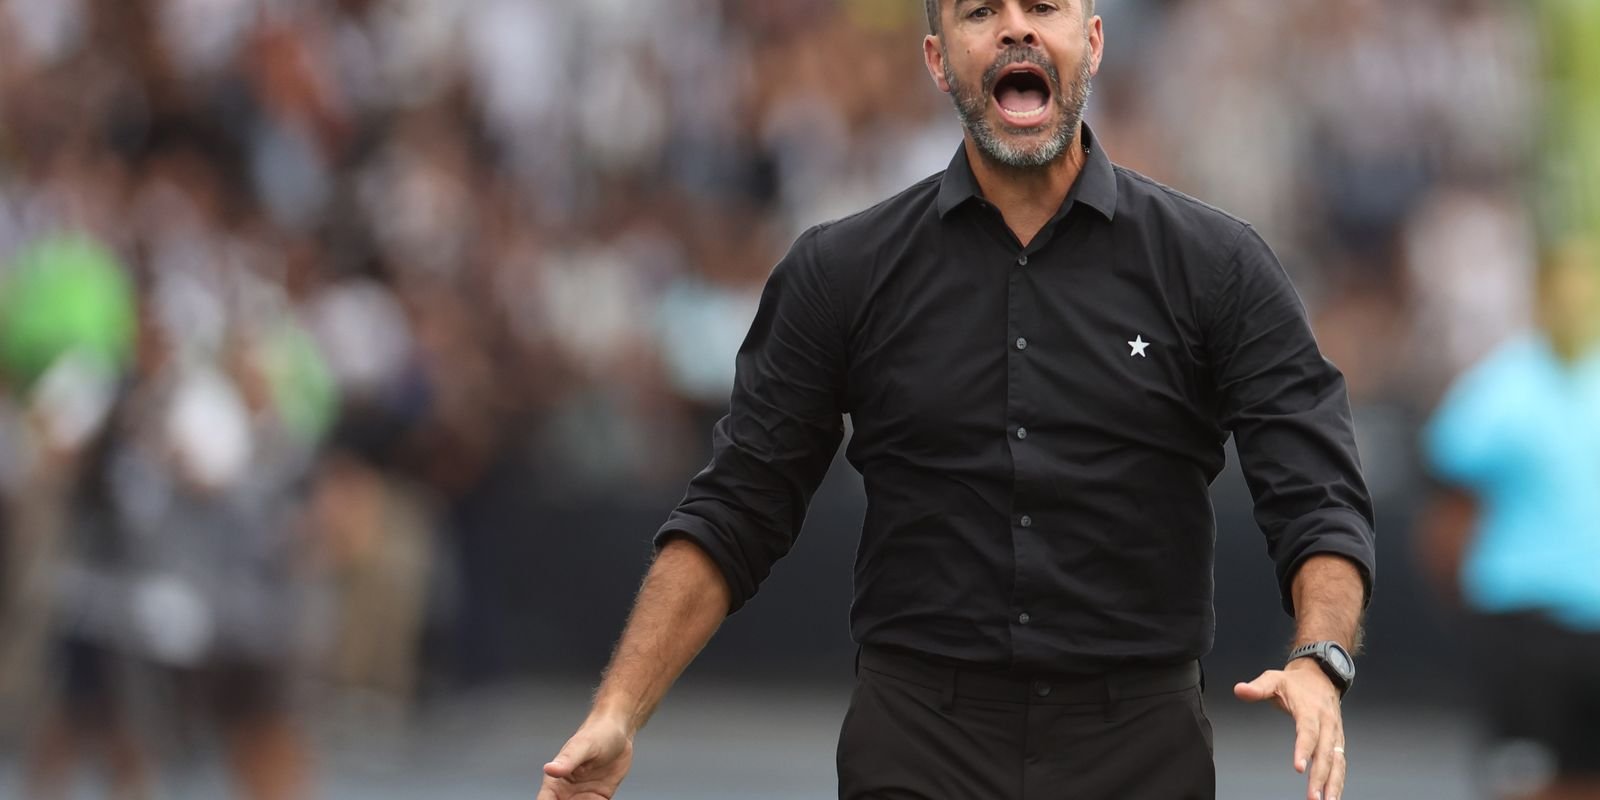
(1290, 416)
(782, 429)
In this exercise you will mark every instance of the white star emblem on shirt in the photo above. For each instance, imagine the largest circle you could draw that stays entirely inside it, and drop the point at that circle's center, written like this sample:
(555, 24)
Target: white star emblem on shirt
(1138, 344)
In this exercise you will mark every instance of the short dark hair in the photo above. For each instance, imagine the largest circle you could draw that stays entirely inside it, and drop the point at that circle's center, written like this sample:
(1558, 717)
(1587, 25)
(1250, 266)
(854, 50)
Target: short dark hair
(932, 7)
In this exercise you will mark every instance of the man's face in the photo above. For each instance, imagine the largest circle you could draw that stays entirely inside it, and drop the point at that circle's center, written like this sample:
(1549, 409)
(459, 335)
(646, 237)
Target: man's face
(1002, 62)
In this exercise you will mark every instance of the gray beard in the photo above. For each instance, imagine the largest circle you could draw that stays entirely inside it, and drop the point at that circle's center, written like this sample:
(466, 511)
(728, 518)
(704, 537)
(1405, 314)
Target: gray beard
(971, 107)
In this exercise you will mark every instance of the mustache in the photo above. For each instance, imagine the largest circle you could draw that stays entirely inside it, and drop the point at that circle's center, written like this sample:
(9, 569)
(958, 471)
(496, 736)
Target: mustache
(1017, 54)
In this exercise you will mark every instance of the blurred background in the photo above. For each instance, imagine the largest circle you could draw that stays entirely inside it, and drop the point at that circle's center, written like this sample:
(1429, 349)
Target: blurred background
(352, 350)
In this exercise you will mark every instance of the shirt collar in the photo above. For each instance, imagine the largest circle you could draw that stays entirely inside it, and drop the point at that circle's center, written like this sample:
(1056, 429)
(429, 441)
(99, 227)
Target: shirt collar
(1095, 187)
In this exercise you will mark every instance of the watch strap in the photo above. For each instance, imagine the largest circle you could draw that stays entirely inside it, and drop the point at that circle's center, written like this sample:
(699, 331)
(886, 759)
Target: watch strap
(1319, 651)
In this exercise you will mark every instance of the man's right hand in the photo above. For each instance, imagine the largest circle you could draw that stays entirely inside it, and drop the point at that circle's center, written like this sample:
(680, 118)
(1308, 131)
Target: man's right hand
(591, 765)
(683, 600)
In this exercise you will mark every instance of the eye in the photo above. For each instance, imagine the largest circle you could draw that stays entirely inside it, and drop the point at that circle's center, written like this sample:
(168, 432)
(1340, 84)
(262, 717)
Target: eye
(980, 12)
(1043, 8)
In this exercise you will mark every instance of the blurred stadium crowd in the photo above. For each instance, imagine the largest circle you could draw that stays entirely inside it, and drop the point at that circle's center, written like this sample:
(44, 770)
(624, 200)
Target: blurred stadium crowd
(285, 283)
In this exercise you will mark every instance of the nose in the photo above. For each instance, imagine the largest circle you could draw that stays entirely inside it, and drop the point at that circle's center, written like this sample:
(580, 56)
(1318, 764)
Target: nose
(1016, 28)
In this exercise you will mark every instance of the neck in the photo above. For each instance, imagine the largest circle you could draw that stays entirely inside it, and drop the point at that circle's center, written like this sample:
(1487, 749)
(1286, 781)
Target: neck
(1027, 198)
(1571, 342)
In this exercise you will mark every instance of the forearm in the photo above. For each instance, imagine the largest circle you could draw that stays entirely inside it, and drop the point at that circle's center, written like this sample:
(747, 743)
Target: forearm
(682, 603)
(1328, 597)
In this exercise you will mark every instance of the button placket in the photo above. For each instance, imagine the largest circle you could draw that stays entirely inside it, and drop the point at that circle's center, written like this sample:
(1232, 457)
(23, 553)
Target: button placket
(1019, 407)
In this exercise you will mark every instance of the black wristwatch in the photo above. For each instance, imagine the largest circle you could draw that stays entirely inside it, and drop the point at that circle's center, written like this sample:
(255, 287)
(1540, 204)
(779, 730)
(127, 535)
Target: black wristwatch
(1334, 660)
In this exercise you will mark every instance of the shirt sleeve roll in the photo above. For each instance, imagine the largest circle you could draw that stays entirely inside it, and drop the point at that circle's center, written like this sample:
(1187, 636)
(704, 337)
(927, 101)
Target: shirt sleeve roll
(1289, 412)
(783, 426)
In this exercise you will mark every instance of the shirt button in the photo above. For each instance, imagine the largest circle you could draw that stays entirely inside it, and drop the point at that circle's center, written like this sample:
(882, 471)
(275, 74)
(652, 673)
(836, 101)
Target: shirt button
(1024, 618)
(1027, 521)
(1022, 433)
(1022, 344)
(1022, 261)
(1042, 689)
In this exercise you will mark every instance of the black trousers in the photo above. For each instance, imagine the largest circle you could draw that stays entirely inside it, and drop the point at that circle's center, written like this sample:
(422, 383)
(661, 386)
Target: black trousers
(919, 731)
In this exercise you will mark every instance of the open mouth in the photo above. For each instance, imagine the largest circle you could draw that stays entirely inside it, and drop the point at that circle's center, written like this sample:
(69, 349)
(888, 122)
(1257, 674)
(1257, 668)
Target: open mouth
(1023, 95)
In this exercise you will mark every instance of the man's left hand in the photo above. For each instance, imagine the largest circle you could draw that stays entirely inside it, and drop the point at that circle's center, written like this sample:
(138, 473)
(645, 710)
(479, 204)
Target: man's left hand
(1305, 693)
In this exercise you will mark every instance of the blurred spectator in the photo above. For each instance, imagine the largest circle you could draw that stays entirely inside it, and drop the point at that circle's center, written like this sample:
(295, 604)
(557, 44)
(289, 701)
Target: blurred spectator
(180, 557)
(1518, 537)
(376, 540)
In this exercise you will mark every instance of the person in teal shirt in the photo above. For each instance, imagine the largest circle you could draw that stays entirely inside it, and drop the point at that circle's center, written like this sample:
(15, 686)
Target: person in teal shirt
(1517, 536)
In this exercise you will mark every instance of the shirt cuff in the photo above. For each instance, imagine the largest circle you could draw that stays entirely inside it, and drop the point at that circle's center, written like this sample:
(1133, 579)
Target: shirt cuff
(704, 535)
(1342, 533)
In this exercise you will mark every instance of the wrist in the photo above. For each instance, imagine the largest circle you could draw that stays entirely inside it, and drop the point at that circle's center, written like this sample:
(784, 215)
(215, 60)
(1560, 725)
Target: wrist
(1328, 657)
(614, 717)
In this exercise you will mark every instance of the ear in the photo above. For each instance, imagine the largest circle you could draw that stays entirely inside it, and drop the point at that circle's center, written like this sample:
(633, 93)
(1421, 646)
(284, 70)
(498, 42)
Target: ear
(1097, 44)
(933, 58)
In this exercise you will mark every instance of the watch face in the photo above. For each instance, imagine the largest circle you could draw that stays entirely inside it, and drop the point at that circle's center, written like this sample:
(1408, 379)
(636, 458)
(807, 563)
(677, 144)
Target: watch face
(1340, 660)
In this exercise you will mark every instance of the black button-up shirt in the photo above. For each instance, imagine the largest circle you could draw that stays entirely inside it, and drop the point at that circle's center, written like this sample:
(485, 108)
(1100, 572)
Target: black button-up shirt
(1037, 427)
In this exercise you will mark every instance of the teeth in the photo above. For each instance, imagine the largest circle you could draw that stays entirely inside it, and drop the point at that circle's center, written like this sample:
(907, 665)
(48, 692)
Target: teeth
(1024, 114)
